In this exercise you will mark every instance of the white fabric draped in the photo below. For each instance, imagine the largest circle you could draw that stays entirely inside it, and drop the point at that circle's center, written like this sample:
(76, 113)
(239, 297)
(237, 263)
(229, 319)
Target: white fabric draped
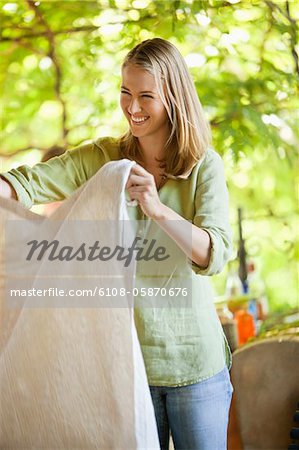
(74, 378)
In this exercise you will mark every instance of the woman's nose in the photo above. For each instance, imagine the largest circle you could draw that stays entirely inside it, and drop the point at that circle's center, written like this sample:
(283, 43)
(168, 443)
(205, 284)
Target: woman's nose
(134, 106)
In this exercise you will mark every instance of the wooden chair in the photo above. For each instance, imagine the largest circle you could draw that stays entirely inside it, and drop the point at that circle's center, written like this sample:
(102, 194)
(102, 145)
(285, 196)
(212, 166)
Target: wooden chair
(265, 376)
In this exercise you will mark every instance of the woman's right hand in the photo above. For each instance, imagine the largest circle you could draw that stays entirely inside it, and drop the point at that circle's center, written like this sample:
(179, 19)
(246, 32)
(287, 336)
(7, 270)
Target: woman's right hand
(6, 190)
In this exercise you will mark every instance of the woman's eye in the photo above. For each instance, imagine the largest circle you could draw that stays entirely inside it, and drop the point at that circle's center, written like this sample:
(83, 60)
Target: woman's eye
(144, 95)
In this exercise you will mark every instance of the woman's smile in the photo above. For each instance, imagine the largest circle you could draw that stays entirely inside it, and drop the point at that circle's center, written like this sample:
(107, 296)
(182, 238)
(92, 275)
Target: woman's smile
(138, 120)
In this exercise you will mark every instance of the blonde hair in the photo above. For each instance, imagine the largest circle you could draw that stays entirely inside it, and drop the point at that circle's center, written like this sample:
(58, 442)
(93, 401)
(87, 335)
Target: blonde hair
(190, 132)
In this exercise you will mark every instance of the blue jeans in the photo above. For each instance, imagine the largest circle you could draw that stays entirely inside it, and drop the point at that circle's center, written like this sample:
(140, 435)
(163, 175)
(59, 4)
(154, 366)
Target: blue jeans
(196, 415)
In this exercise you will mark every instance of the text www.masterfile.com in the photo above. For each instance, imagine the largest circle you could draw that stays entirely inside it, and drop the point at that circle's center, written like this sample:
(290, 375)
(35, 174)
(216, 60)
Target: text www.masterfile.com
(99, 292)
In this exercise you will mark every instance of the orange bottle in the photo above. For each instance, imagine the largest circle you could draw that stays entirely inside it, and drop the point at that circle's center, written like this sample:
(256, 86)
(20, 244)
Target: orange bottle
(245, 326)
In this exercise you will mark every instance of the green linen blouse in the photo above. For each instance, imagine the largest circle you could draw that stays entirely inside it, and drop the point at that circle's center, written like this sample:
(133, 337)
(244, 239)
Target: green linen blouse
(180, 346)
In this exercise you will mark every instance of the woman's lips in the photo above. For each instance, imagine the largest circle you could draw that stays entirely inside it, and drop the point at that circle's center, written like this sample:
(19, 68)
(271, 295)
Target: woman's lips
(138, 120)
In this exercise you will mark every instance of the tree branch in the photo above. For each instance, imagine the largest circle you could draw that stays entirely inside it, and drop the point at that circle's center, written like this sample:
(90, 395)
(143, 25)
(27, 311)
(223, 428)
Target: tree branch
(72, 30)
(293, 28)
(274, 6)
(53, 56)
(54, 33)
(293, 37)
(29, 147)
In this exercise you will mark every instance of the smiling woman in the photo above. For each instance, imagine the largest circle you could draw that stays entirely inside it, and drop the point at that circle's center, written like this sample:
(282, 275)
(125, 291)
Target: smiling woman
(179, 186)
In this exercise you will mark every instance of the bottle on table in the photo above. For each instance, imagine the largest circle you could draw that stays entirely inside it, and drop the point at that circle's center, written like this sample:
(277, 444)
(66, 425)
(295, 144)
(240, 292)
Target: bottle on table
(245, 326)
(258, 304)
(229, 325)
(233, 287)
(238, 301)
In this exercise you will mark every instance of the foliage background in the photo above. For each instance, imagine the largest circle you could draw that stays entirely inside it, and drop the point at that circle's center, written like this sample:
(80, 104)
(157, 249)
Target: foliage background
(60, 78)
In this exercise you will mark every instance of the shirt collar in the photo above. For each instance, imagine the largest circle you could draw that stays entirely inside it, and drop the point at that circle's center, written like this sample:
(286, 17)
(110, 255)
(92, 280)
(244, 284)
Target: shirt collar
(185, 176)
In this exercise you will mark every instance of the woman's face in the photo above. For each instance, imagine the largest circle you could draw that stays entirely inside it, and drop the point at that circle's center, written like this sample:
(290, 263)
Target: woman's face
(142, 105)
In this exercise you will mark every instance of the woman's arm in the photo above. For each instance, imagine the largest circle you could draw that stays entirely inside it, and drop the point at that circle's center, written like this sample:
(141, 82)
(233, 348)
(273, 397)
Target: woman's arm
(207, 242)
(53, 180)
(6, 190)
(195, 242)
(197, 246)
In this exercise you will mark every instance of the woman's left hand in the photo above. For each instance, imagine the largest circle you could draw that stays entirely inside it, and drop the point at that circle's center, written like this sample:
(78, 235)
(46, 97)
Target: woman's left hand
(142, 187)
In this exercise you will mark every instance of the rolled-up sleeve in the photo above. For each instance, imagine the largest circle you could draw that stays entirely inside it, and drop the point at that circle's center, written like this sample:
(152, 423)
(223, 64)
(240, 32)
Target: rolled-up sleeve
(212, 212)
(55, 179)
